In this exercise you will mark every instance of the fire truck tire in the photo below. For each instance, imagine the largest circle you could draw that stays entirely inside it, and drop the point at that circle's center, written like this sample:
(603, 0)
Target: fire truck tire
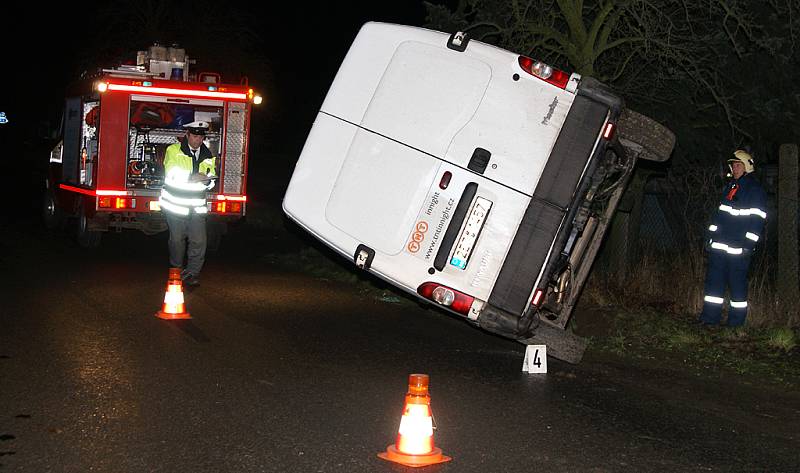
(214, 233)
(86, 238)
(52, 215)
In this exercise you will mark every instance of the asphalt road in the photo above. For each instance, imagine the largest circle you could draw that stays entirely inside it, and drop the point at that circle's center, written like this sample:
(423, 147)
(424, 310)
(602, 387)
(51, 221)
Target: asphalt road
(281, 371)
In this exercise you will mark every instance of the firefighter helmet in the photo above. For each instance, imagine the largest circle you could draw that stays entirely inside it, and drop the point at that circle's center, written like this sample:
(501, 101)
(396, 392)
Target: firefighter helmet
(197, 127)
(745, 158)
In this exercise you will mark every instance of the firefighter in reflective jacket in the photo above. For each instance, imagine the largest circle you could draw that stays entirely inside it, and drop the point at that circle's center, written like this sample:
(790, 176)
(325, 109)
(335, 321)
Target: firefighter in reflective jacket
(734, 231)
(189, 169)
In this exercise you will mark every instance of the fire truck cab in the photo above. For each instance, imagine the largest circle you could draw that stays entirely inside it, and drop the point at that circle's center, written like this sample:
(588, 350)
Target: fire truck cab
(107, 171)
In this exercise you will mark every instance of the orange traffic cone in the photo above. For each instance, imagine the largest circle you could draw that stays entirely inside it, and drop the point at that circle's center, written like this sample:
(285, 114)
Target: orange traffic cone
(173, 307)
(414, 446)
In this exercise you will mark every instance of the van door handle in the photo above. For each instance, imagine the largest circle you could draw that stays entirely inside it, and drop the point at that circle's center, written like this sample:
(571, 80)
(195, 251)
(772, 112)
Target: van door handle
(479, 160)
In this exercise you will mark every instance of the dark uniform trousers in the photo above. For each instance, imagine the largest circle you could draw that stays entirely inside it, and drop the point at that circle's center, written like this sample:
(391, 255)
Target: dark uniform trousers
(731, 270)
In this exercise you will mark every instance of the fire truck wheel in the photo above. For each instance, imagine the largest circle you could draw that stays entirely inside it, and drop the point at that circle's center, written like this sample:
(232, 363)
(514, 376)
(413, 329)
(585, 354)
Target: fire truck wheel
(214, 234)
(52, 215)
(86, 238)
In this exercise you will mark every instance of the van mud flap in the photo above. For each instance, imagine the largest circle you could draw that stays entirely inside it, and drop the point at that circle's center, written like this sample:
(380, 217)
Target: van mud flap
(548, 216)
(561, 344)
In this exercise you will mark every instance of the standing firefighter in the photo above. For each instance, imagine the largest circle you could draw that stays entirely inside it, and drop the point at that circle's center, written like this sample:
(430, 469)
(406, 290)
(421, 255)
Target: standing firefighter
(188, 167)
(733, 234)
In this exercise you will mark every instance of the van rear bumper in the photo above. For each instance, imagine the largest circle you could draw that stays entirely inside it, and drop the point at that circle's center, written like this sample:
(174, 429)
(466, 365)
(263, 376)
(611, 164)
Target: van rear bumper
(546, 224)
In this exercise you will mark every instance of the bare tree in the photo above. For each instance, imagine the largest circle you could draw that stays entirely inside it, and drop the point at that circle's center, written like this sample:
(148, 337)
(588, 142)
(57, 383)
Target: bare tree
(653, 51)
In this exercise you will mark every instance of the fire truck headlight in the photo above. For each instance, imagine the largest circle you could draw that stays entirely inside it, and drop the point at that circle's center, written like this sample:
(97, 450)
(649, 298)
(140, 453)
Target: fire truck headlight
(257, 100)
(101, 87)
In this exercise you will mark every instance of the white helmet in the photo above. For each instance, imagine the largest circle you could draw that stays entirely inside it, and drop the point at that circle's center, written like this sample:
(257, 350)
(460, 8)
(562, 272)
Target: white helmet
(745, 158)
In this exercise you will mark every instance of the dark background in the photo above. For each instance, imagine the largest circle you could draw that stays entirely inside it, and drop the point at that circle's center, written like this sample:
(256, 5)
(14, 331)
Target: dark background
(289, 53)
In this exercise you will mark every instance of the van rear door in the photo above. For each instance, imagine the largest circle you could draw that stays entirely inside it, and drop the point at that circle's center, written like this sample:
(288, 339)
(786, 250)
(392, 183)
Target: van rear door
(428, 156)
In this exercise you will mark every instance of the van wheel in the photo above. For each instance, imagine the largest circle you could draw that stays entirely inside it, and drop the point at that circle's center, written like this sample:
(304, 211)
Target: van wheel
(86, 238)
(561, 344)
(52, 215)
(644, 137)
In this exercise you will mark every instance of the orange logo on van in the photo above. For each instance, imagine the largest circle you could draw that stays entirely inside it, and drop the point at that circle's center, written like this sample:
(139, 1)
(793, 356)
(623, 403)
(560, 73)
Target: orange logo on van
(417, 237)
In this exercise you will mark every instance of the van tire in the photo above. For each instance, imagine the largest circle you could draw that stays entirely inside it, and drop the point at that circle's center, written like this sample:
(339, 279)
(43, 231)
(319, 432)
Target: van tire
(561, 344)
(644, 137)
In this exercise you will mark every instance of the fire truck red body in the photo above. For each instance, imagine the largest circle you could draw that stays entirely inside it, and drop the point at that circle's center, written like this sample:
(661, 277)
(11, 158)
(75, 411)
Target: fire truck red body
(107, 171)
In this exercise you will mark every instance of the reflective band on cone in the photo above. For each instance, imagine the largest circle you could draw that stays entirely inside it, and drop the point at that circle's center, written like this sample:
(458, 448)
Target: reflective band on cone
(414, 446)
(174, 307)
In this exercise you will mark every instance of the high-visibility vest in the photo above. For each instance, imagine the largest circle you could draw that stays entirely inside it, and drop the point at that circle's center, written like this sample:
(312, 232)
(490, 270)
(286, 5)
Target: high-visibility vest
(739, 219)
(179, 195)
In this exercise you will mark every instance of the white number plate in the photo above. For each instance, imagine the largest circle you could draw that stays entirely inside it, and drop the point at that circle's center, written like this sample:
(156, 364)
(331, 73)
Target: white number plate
(469, 235)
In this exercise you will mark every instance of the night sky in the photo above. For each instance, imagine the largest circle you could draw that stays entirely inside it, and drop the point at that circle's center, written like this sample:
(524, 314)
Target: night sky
(298, 47)
(308, 49)
(301, 44)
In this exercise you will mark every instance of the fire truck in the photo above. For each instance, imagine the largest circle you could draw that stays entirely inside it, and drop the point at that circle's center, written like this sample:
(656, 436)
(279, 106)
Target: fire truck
(106, 172)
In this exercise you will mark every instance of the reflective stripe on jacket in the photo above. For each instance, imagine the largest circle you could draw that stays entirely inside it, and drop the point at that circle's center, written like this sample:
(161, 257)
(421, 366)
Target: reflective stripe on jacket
(739, 219)
(179, 195)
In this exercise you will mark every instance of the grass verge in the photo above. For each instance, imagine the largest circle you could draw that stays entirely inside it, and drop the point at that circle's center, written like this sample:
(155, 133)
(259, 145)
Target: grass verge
(758, 354)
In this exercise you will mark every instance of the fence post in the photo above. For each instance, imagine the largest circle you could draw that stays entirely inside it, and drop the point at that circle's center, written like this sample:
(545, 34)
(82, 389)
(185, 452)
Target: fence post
(788, 286)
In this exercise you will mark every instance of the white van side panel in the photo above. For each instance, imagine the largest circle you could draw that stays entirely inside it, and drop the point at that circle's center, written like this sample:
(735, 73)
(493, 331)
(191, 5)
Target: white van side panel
(379, 190)
(314, 176)
(435, 214)
(319, 199)
(403, 110)
(363, 67)
(429, 110)
(518, 122)
(403, 83)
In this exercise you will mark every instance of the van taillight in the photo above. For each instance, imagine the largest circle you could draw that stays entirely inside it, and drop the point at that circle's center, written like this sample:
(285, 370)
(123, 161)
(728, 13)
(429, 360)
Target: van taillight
(446, 296)
(543, 71)
(608, 132)
(537, 298)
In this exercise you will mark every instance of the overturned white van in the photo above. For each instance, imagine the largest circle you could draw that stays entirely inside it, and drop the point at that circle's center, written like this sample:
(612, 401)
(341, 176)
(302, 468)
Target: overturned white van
(467, 175)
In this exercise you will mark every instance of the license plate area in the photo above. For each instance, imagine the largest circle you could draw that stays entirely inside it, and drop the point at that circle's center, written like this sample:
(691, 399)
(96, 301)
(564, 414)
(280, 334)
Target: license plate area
(470, 232)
